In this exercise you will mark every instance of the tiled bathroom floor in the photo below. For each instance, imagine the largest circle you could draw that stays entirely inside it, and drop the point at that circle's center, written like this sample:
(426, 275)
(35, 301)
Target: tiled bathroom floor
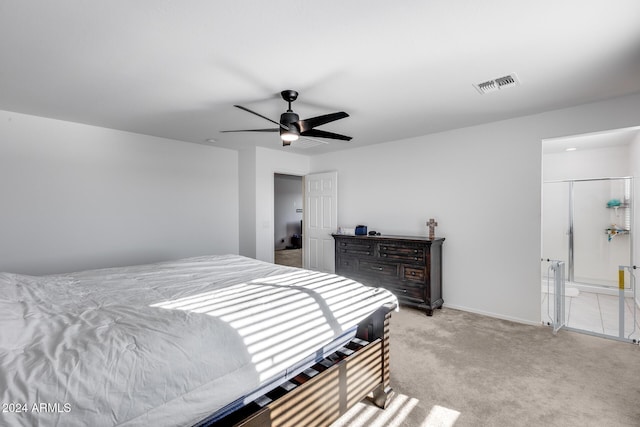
(595, 312)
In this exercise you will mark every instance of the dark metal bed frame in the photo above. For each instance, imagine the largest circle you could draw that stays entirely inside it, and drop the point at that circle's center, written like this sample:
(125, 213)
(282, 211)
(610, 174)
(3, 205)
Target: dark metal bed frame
(342, 380)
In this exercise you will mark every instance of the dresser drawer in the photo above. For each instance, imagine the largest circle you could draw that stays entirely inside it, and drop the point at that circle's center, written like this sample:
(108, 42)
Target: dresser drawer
(412, 254)
(355, 248)
(347, 265)
(406, 292)
(414, 274)
(381, 269)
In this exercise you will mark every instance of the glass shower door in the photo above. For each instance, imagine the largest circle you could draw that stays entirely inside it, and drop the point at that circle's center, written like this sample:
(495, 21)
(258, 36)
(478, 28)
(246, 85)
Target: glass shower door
(601, 231)
(602, 227)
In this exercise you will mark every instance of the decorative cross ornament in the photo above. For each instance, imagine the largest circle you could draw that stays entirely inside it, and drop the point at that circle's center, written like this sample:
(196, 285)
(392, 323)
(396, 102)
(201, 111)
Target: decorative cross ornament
(432, 228)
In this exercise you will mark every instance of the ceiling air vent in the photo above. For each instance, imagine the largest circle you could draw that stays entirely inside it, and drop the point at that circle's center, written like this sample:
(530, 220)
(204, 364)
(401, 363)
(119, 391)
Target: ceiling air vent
(497, 84)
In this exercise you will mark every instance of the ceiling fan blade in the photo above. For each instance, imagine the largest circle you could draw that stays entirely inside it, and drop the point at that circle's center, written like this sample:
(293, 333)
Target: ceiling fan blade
(324, 134)
(260, 115)
(308, 124)
(252, 130)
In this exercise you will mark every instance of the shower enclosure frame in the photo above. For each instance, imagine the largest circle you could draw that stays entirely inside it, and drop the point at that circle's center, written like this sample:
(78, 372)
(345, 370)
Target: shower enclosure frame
(571, 249)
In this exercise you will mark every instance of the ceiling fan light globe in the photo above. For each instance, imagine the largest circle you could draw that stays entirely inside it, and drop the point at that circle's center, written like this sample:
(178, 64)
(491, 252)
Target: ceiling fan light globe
(289, 136)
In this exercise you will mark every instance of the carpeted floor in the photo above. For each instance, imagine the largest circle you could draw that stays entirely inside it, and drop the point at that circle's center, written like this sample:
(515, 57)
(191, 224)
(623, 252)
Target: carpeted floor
(462, 369)
(290, 257)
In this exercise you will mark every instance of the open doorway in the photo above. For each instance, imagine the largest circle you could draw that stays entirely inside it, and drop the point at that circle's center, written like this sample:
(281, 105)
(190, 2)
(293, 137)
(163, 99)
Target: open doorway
(588, 219)
(288, 214)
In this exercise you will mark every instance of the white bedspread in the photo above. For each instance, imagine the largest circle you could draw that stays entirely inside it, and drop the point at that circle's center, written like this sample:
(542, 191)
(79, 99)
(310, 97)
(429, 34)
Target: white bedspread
(162, 344)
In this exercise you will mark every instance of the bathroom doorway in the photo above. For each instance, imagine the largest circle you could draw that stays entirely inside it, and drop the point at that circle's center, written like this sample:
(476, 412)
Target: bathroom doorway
(588, 224)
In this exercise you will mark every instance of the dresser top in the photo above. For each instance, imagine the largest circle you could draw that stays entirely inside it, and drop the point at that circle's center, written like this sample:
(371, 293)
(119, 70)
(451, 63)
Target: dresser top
(391, 237)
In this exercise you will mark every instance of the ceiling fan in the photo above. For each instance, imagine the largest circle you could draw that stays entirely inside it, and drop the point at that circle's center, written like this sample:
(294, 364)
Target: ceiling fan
(291, 127)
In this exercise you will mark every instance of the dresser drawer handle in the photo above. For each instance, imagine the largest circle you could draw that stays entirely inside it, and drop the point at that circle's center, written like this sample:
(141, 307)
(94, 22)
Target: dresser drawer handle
(403, 290)
(384, 255)
(415, 251)
(416, 258)
(377, 268)
(413, 273)
(368, 253)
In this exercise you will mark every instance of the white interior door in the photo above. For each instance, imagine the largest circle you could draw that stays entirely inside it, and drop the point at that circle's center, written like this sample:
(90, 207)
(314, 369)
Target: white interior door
(320, 220)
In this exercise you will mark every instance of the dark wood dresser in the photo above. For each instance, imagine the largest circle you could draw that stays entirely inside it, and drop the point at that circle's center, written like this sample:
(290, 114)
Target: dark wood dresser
(410, 267)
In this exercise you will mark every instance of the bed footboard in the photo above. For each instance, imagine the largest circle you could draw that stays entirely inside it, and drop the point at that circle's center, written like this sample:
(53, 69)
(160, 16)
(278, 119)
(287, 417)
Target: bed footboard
(321, 394)
(377, 327)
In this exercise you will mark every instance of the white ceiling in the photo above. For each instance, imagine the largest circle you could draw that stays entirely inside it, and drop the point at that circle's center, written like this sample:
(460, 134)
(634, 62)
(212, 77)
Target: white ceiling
(400, 69)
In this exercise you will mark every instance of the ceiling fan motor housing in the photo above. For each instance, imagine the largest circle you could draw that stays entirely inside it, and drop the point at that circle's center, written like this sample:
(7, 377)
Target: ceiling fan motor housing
(288, 118)
(289, 121)
(289, 129)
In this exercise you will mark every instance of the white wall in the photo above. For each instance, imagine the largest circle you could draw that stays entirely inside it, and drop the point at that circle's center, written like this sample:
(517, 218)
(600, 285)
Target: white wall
(75, 197)
(288, 199)
(483, 185)
(247, 202)
(587, 164)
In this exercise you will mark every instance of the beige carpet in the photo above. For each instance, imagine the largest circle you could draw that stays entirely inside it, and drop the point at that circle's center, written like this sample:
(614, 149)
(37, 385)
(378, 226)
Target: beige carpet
(462, 369)
(290, 257)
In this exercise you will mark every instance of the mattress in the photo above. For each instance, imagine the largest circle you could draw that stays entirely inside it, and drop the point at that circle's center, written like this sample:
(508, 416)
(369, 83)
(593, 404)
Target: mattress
(167, 343)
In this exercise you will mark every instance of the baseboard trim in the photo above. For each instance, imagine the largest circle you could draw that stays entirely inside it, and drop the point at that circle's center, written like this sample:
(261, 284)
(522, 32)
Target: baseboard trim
(494, 315)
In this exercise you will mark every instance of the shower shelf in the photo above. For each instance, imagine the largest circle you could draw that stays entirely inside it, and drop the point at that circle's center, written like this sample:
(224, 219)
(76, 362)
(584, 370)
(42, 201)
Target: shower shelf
(613, 232)
(621, 205)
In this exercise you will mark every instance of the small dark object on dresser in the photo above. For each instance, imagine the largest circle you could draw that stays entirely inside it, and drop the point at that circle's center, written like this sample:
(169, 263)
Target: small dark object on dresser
(361, 230)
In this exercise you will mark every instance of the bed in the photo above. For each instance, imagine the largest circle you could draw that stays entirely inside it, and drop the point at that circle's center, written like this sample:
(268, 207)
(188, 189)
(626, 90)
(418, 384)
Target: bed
(202, 341)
